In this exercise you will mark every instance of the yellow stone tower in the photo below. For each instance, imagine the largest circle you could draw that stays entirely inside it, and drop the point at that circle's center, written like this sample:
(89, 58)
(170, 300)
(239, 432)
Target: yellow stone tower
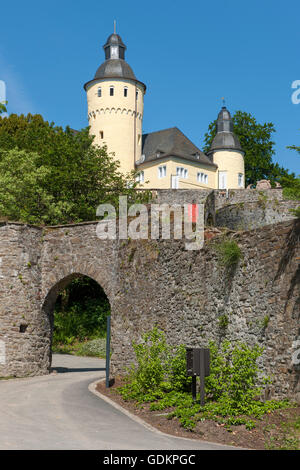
(115, 100)
(227, 154)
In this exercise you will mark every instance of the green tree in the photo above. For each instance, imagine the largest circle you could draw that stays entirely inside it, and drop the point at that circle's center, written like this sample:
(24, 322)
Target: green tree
(294, 147)
(256, 141)
(53, 175)
(3, 107)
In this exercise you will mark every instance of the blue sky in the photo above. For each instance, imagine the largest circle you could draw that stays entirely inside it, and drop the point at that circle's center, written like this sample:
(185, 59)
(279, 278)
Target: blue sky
(189, 54)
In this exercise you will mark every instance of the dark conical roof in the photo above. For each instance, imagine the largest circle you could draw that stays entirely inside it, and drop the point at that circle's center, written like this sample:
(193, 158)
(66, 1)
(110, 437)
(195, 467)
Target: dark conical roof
(112, 68)
(225, 139)
(115, 65)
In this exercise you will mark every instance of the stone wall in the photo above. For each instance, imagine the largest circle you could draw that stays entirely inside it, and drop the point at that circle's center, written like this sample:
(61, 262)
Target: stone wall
(237, 196)
(250, 215)
(153, 281)
(186, 294)
(237, 209)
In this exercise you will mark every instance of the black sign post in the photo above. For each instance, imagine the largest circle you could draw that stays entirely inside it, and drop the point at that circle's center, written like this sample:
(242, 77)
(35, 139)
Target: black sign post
(107, 351)
(198, 364)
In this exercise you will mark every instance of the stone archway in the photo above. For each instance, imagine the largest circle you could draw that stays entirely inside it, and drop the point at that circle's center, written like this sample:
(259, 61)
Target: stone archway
(48, 309)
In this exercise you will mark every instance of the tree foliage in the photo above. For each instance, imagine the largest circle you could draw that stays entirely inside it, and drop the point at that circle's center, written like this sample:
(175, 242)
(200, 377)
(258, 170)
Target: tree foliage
(256, 141)
(3, 107)
(53, 175)
(80, 312)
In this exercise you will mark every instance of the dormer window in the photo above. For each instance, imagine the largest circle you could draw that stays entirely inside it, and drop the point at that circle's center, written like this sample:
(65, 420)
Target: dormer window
(111, 91)
(99, 92)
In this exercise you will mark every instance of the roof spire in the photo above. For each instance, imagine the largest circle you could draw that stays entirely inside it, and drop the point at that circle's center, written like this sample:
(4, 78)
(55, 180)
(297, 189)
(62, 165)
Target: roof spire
(223, 101)
(115, 27)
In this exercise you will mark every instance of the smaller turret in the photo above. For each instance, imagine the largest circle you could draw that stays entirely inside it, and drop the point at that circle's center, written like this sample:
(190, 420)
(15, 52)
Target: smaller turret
(226, 152)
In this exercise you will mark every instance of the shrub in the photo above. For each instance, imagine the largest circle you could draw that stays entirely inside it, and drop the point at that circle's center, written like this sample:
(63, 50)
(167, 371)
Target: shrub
(296, 212)
(233, 372)
(152, 355)
(178, 379)
(292, 193)
(232, 388)
(94, 348)
(229, 253)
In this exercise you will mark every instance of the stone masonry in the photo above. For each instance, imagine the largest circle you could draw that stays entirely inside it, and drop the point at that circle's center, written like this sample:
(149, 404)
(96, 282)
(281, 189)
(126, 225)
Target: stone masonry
(148, 282)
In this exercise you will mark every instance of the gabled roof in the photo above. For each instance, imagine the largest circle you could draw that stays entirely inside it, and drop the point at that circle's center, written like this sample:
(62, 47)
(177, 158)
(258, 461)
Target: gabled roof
(171, 143)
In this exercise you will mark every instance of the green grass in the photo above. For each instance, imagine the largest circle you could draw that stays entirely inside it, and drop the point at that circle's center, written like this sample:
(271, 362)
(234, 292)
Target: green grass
(287, 437)
(93, 348)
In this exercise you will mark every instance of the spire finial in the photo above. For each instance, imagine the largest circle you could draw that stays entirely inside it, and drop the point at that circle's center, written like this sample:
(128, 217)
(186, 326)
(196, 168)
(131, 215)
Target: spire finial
(223, 101)
(115, 26)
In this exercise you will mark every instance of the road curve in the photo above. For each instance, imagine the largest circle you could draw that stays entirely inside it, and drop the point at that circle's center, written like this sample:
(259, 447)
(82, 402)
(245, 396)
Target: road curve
(58, 412)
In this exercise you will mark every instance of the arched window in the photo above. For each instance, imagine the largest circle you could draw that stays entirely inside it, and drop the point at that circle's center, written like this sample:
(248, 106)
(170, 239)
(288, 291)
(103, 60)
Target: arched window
(111, 91)
(99, 92)
(125, 91)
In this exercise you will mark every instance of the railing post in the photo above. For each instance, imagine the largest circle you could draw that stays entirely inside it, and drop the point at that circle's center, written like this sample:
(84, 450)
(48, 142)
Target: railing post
(107, 350)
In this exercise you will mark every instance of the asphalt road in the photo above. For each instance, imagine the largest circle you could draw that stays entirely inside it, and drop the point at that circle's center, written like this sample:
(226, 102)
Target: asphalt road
(58, 412)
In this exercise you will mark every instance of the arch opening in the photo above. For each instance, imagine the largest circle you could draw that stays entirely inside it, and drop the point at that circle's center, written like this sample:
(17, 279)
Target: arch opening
(75, 311)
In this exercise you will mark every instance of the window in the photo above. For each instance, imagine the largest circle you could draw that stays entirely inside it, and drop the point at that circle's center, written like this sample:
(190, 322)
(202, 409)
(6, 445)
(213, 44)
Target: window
(140, 177)
(182, 172)
(162, 171)
(125, 91)
(241, 180)
(136, 95)
(99, 92)
(202, 178)
(101, 134)
(111, 91)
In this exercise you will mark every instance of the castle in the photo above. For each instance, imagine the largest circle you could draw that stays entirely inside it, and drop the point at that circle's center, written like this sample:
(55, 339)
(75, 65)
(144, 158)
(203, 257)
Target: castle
(164, 159)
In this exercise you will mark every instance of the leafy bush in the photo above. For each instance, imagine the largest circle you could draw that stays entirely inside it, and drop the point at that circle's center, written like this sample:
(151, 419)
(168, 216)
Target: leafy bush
(292, 192)
(229, 253)
(178, 379)
(94, 348)
(232, 389)
(152, 356)
(233, 372)
(296, 212)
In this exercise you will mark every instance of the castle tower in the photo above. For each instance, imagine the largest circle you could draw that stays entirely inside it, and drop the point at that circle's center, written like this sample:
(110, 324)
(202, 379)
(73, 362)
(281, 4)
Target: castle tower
(226, 152)
(115, 101)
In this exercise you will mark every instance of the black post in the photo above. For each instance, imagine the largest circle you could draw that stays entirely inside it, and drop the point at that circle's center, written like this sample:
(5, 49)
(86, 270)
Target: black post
(202, 375)
(107, 350)
(194, 389)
